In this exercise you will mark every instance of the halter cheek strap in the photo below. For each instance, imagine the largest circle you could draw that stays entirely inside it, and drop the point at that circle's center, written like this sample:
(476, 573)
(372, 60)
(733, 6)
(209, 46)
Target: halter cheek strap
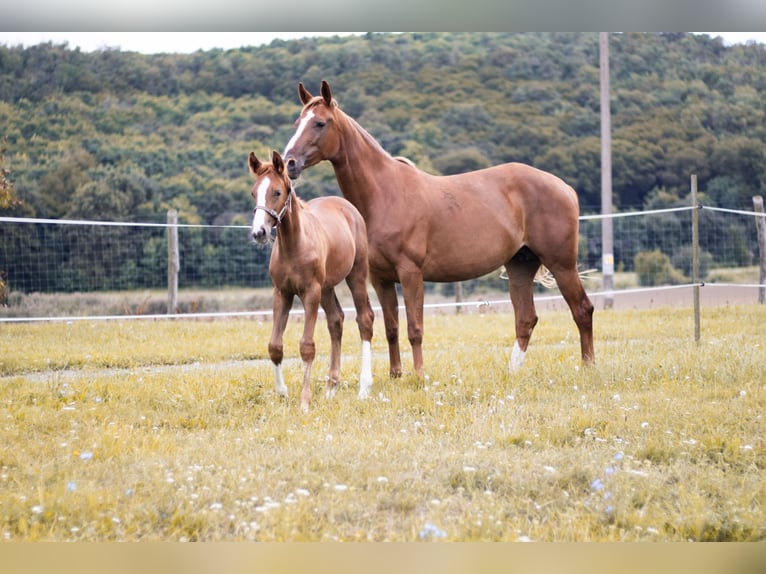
(277, 215)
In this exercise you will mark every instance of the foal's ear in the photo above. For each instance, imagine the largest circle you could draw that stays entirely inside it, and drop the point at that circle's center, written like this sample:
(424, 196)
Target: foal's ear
(276, 161)
(304, 94)
(253, 162)
(326, 93)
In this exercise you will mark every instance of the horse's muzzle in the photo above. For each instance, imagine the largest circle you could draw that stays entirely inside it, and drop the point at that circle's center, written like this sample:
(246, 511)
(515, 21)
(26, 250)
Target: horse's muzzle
(261, 235)
(294, 167)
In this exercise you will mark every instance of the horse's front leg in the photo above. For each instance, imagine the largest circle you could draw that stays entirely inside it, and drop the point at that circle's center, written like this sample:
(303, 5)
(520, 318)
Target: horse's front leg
(307, 347)
(412, 290)
(335, 316)
(389, 303)
(283, 302)
(364, 319)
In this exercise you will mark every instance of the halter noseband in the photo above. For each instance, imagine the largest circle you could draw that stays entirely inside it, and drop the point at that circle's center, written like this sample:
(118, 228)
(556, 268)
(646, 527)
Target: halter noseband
(277, 215)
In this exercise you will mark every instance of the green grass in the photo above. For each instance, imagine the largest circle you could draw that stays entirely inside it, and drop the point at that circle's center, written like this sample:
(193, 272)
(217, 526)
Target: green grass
(171, 430)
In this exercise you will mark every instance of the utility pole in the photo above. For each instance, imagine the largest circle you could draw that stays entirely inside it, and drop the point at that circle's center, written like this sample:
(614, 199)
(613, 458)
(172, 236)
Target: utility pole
(607, 249)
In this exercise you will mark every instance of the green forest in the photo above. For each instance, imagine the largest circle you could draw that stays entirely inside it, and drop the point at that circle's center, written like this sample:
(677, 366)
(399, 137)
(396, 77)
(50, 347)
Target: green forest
(122, 136)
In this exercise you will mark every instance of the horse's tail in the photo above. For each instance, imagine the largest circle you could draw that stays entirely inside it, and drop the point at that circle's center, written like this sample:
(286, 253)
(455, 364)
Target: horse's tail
(545, 278)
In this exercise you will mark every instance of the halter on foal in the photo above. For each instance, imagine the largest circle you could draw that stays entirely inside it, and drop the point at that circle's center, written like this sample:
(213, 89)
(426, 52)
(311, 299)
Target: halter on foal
(319, 244)
(446, 228)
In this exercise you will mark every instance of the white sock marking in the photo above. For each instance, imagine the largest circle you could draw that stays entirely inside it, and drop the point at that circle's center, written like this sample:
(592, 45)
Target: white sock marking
(517, 357)
(365, 377)
(281, 387)
(301, 127)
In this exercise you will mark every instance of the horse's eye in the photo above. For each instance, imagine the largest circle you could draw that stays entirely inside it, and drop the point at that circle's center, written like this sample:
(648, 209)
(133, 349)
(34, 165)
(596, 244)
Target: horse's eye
(277, 193)
(320, 124)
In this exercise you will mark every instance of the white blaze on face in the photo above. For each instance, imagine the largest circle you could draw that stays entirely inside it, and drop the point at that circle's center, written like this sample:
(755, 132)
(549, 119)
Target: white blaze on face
(259, 217)
(301, 128)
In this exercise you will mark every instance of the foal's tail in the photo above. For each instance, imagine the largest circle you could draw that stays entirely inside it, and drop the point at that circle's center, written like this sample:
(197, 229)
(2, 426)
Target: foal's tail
(545, 278)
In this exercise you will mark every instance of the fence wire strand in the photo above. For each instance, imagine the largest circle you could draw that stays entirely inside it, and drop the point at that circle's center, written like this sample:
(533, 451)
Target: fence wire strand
(44, 254)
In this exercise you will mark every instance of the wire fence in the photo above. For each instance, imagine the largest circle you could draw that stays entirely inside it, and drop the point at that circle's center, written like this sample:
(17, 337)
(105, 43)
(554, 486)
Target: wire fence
(43, 259)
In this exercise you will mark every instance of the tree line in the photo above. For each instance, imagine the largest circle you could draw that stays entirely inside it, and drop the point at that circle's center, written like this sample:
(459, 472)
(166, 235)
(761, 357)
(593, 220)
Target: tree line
(123, 136)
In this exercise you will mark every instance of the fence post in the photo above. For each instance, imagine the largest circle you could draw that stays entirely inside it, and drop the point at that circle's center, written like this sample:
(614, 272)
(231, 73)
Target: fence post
(696, 259)
(173, 261)
(760, 223)
(607, 233)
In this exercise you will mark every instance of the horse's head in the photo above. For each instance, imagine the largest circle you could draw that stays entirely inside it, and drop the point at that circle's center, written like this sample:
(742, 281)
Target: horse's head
(271, 192)
(316, 136)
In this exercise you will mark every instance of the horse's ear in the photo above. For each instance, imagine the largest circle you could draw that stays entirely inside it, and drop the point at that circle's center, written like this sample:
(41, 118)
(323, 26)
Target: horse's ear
(326, 93)
(276, 161)
(304, 94)
(253, 162)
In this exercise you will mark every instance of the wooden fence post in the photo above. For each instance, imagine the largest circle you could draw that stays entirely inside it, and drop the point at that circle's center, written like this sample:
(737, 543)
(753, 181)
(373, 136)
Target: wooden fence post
(760, 223)
(695, 259)
(173, 261)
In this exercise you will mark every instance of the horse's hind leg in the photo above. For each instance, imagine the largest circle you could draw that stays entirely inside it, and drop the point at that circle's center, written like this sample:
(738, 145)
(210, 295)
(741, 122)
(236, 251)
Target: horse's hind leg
(386, 291)
(357, 283)
(335, 316)
(311, 299)
(282, 305)
(521, 271)
(570, 285)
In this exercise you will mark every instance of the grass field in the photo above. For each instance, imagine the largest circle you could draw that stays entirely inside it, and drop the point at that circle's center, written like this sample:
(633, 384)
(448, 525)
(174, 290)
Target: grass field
(171, 430)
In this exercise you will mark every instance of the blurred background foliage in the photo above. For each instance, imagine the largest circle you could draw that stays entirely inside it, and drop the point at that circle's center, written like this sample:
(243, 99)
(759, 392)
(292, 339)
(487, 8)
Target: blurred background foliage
(124, 136)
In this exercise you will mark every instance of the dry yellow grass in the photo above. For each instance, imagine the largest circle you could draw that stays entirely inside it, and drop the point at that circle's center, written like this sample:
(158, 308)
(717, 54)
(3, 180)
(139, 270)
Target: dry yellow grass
(155, 430)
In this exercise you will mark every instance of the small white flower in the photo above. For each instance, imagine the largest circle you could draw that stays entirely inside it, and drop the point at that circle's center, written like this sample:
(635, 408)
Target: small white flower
(341, 488)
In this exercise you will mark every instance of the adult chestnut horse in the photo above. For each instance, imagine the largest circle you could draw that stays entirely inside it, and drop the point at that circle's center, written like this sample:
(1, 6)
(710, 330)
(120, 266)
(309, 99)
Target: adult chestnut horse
(318, 244)
(446, 228)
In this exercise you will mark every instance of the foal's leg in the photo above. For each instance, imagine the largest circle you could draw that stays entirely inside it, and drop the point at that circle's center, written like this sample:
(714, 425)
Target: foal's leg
(412, 290)
(283, 302)
(310, 300)
(357, 283)
(521, 273)
(335, 316)
(386, 291)
(570, 285)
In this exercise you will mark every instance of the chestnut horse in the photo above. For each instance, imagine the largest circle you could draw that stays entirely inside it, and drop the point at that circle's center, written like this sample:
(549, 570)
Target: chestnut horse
(423, 227)
(318, 244)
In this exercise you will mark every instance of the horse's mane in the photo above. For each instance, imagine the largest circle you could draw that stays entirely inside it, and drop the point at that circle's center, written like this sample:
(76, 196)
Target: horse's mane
(365, 134)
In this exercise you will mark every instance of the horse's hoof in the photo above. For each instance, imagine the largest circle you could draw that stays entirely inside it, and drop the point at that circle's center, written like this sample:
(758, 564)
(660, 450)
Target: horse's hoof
(305, 407)
(330, 393)
(363, 394)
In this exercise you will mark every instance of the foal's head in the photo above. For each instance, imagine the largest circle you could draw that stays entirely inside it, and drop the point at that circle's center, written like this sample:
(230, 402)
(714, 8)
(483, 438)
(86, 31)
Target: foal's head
(272, 195)
(316, 137)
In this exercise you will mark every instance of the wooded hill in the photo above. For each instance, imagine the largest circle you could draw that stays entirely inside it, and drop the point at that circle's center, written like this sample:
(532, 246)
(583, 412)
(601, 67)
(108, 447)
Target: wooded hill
(123, 136)
(179, 127)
